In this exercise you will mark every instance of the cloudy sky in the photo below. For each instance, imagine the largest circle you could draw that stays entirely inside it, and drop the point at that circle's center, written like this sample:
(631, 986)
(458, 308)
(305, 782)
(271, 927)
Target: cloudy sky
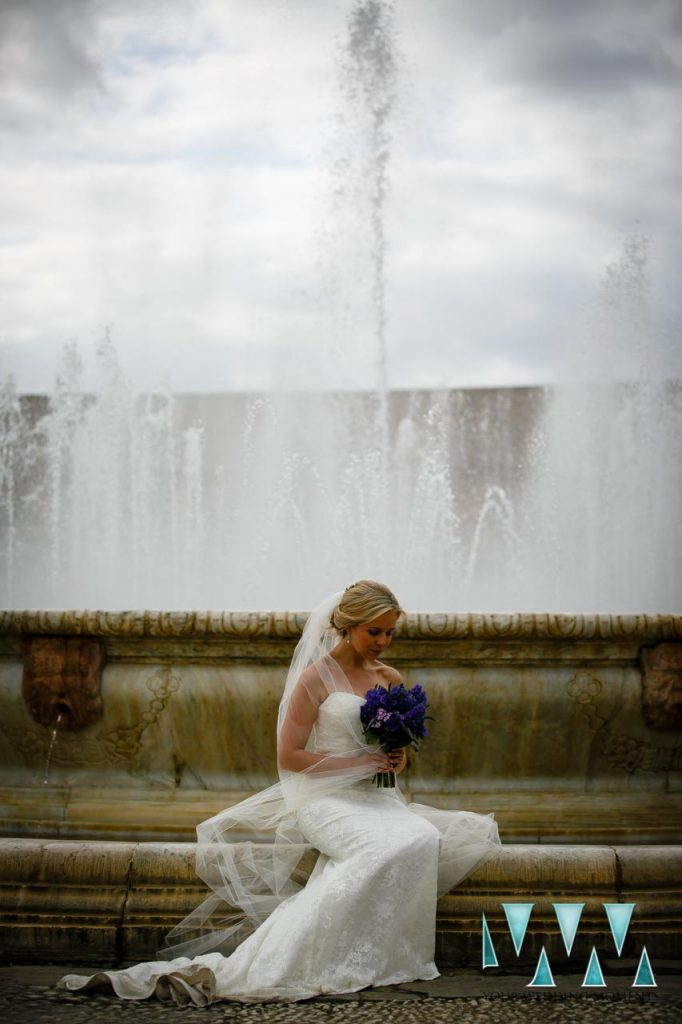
(194, 177)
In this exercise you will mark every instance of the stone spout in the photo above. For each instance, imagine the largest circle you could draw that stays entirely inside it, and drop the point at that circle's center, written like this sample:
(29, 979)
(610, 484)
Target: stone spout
(61, 680)
(662, 686)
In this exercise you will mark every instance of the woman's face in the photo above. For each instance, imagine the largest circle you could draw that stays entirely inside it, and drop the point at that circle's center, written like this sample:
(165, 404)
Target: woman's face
(370, 639)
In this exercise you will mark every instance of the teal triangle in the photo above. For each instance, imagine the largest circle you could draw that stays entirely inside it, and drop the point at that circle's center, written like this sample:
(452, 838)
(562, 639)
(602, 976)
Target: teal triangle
(568, 916)
(543, 975)
(518, 915)
(593, 975)
(645, 976)
(489, 956)
(619, 915)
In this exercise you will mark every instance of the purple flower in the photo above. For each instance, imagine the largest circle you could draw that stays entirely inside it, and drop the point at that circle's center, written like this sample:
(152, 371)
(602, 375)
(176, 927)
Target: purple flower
(394, 716)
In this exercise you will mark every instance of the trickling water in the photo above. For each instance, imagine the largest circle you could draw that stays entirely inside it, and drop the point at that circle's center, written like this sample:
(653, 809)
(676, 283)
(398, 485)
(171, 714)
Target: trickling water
(50, 749)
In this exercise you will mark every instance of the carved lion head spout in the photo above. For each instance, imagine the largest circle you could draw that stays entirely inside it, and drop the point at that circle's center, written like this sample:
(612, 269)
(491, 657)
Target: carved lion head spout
(662, 686)
(61, 683)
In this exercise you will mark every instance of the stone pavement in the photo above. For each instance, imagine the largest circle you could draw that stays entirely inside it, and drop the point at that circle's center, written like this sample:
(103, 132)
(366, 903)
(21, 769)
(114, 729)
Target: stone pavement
(28, 996)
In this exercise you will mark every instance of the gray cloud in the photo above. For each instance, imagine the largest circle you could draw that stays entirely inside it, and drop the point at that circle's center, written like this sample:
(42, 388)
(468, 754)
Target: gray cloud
(574, 64)
(46, 56)
(602, 46)
(194, 208)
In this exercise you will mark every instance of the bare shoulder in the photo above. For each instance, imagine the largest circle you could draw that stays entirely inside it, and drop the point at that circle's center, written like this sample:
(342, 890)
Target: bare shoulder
(390, 675)
(311, 683)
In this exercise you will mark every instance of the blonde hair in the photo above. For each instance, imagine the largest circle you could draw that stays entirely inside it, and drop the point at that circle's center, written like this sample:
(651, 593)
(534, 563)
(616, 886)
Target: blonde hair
(362, 602)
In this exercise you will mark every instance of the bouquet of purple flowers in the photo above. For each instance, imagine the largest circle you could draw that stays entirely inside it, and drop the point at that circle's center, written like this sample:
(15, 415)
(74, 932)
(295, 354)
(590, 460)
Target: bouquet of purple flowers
(393, 718)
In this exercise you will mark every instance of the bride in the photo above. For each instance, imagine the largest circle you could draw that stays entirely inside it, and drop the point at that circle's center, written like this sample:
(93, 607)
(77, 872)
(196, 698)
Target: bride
(367, 913)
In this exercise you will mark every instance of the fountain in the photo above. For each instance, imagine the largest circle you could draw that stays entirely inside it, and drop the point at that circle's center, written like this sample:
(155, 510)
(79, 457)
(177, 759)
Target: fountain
(492, 500)
(565, 723)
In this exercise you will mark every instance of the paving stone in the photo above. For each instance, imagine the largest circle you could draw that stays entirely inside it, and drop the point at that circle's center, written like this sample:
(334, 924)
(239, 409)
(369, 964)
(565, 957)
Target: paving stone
(28, 996)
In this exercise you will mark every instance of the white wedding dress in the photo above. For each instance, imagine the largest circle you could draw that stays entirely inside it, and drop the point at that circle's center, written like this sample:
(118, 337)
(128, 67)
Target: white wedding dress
(367, 914)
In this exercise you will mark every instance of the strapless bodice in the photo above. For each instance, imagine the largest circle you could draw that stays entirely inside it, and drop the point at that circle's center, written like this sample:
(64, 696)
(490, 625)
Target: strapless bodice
(338, 723)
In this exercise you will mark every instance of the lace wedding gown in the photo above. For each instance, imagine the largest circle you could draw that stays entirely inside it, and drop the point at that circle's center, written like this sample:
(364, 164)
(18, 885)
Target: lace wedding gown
(367, 914)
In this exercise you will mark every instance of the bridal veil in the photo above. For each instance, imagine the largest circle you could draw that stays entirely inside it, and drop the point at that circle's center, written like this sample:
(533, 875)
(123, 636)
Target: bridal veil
(252, 855)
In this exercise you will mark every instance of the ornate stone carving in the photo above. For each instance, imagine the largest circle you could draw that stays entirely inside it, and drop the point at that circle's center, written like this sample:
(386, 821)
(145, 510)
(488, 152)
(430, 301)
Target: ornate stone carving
(288, 625)
(662, 686)
(119, 747)
(620, 749)
(61, 681)
(123, 744)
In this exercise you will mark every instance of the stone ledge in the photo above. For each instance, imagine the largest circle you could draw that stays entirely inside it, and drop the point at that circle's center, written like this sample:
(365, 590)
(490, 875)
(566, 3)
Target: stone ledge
(546, 816)
(284, 625)
(110, 902)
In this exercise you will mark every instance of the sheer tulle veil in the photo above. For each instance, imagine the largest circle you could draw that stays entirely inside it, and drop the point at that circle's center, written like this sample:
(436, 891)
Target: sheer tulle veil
(253, 856)
(367, 915)
(250, 854)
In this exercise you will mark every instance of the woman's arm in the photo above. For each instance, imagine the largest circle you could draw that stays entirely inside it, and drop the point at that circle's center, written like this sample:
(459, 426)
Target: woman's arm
(300, 719)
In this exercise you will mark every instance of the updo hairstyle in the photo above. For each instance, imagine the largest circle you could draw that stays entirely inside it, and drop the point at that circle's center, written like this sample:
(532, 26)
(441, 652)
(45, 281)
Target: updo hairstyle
(362, 602)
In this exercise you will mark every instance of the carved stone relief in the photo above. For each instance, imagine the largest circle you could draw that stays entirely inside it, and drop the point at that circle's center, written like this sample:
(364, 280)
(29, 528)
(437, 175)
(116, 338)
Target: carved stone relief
(620, 749)
(118, 747)
(288, 625)
(662, 686)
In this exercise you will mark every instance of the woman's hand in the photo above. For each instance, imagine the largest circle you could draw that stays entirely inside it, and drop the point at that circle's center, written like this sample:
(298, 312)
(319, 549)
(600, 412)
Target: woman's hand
(393, 761)
(397, 760)
(379, 761)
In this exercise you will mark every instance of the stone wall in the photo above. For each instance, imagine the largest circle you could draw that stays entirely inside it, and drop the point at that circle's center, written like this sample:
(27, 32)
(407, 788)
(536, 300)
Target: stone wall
(105, 903)
(538, 718)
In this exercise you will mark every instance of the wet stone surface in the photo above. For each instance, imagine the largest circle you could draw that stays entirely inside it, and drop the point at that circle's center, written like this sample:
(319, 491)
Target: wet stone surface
(28, 995)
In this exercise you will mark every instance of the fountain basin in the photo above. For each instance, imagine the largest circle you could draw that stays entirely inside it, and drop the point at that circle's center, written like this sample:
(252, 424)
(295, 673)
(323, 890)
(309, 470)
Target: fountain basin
(538, 718)
(106, 903)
